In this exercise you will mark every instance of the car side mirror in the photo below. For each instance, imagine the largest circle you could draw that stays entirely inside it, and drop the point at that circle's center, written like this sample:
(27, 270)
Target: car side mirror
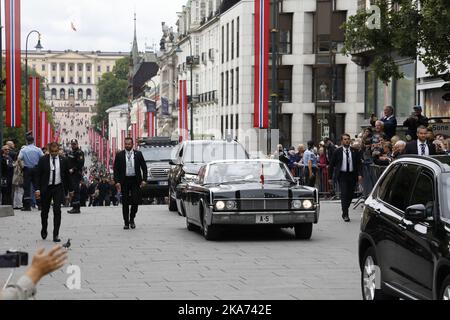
(416, 213)
(172, 163)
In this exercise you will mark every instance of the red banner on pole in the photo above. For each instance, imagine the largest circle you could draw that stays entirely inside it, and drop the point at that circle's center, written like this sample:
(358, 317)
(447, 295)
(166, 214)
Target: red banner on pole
(151, 124)
(34, 107)
(44, 130)
(183, 112)
(262, 40)
(13, 65)
(134, 130)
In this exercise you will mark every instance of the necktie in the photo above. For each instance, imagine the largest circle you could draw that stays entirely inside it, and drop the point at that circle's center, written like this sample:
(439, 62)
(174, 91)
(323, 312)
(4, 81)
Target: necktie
(54, 172)
(423, 149)
(348, 159)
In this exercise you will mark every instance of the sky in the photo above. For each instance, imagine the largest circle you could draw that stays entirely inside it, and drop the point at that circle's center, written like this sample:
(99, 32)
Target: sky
(105, 25)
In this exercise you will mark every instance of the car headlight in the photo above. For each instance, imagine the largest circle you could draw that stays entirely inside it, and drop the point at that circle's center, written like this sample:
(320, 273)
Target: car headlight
(308, 204)
(189, 177)
(297, 204)
(220, 205)
(231, 205)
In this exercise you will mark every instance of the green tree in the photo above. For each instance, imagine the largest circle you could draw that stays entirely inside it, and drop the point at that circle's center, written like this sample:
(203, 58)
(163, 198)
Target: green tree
(112, 90)
(405, 31)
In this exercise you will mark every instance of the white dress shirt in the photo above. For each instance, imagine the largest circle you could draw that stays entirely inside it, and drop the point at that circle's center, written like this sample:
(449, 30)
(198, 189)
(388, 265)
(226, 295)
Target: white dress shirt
(129, 159)
(344, 160)
(419, 148)
(54, 170)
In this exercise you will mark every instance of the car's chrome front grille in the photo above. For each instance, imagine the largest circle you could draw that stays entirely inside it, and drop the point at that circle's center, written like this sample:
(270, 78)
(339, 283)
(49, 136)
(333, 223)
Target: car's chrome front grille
(159, 173)
(264, 205)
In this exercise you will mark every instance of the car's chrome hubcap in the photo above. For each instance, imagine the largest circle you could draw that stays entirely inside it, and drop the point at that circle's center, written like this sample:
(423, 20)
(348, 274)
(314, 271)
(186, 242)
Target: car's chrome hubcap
(446, 295)
(369, 279)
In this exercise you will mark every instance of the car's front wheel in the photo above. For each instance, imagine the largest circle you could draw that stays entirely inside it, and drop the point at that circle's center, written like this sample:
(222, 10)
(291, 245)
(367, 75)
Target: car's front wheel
(172, 202)
(210, 232)
(445, 291)
(304, 231)
(190, 226)
(371, 279)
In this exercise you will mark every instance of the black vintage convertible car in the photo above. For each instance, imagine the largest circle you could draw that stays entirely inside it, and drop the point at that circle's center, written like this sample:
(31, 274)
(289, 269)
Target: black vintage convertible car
(248, 192)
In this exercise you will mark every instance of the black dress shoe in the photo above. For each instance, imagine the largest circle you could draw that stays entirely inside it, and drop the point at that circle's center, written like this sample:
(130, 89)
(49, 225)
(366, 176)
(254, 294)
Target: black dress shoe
(26, 210)
(44, 234)
(133, 225)
(126, 228)
(346, 218)
(74, 211)
(56, 240)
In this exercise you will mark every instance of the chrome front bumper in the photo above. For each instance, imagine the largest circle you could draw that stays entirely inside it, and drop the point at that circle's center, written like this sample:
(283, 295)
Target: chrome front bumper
(281, 218)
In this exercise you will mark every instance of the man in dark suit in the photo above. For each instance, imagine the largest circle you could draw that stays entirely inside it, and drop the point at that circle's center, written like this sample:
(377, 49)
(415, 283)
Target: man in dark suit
(52, 179)
(421, 146)
(346, 164)
(130, 175)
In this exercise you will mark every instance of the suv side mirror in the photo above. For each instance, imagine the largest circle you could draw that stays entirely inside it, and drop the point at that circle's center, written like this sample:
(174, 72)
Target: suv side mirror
(416, 213)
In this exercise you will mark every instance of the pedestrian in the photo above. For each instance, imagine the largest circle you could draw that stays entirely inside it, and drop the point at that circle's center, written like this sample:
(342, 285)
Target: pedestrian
(310, 165)
(130, 175)
(83, 194)
(389, 122)
(52, 181)
(415, 121)
(76, 165)
(12, 150)
(7, 177)
(30, 155)
(421, 146)
(18, 185)
(399, 149)
(346, 165)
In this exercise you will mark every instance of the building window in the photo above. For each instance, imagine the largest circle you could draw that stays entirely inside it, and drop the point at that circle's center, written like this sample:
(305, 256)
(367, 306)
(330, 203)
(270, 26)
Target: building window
(223, 44)
(54, 65)
(80, 80)
(108, 69)
(53, 79)
(88, 94)
(237, 36)
(63, 80)
(227, 85)
(228, 42)
(54, 94)
(328, 82)
(232, 86)
(405, 92)
(80, 94)
(80, 67)
(71, 80)
(43, 67)
(284, 83)
(237, 85)
(71, 67)
(285, 44)
(62, 67)
(62, 94)
(99, 68)
(89, 80)
(222, 126)
(232, 40)
(222, 87)
(88, 68)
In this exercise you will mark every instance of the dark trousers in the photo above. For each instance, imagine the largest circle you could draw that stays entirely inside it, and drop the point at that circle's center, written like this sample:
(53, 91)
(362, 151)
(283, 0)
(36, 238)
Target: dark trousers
(75, 180)
(28, 179)
(311, 181)
(55, 193)
(131, 196)
(7, 196)
(347, 184)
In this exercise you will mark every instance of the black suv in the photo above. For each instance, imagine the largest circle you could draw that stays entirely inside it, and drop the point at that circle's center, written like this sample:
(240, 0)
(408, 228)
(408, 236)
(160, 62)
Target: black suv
(158, 152)
(404, 246)
(192, 156)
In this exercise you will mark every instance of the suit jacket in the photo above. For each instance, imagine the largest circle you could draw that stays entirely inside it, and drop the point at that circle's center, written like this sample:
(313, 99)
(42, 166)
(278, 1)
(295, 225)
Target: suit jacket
(338, 158)
(42, 176)
(412, 148)
(120, 167)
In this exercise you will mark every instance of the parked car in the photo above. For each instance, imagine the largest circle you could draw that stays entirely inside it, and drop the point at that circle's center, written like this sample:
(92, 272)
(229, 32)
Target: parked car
(248, 192)
(191, 156)
(158, 152)
(404, 246)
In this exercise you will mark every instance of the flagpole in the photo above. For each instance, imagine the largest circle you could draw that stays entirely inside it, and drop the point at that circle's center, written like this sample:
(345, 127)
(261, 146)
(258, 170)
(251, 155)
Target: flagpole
(26, 76)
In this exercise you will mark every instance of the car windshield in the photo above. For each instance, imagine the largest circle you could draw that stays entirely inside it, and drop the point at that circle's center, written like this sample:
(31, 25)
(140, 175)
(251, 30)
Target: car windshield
(158, 154)
(209, 152)
(247, 172)
(446, 195)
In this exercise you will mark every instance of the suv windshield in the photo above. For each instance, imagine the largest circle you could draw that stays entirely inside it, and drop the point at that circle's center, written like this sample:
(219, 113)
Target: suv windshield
(446, 195)
(154, 154)
(209, 152)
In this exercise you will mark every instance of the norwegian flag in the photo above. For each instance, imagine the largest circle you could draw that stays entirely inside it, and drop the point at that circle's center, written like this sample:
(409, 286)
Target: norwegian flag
(262, 39)
(183, 112)
(13, 65)
(151, 124)
(34, 107)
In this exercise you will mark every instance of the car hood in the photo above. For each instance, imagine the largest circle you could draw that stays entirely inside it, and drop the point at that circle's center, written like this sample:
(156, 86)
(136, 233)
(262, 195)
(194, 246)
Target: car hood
(257, 191)
(192, 168)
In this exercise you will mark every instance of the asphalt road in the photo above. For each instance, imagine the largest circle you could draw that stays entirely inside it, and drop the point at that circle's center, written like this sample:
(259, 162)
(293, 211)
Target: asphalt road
(162, 260)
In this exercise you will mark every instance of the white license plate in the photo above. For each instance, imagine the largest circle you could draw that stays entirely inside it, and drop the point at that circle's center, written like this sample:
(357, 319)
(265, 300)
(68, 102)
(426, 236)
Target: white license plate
(164, 183)
(264, 219)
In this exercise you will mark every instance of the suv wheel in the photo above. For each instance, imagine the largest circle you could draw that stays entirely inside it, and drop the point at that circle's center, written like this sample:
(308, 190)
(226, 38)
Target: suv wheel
(445, 291)
(371, 278)
(209, 232)
(190, 226)
(172, 203)
(304, 231)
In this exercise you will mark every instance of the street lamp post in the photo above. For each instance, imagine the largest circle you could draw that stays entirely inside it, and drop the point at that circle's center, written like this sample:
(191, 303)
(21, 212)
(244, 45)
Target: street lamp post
(38, 49)
(192, 85)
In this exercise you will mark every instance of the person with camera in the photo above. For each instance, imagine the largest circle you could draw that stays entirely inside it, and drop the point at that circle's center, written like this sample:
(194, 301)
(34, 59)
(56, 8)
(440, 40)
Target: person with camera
(42, 265)
(52, 180)
(415, 121)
